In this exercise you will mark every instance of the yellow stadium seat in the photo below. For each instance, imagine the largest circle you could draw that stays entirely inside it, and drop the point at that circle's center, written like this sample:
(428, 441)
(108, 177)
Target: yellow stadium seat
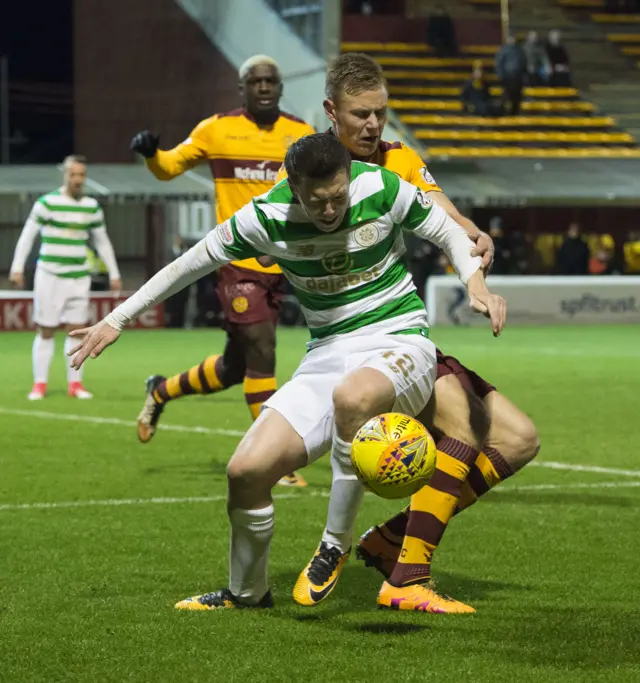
(581, 4)
(624, 37)
(452, 105)
(526, 136)
(533, 152)
(496, 91)
(460, 77)
(509, 121)
(631, 50)
(438, 62)
(491, 3)
(616, 18)
(414, 47)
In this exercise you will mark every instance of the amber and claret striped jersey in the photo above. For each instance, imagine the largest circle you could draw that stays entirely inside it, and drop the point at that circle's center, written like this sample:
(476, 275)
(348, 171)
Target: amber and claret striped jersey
(401, 160)
(243, 157)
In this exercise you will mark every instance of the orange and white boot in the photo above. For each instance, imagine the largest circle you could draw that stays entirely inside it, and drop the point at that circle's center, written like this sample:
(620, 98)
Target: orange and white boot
(38, 392)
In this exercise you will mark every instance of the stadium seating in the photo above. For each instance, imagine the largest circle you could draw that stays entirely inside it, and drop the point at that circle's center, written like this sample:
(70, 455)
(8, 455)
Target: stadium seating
(425, 94)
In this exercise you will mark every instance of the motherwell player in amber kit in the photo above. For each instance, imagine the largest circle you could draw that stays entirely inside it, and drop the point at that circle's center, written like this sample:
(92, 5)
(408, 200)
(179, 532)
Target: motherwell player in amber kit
(244, 148)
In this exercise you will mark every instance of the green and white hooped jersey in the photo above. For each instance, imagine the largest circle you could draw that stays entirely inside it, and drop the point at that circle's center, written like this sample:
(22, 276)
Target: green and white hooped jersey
(64, 225)
(352, 280)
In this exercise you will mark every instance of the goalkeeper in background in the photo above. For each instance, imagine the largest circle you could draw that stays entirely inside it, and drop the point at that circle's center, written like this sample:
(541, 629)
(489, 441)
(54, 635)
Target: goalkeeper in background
(244, 148)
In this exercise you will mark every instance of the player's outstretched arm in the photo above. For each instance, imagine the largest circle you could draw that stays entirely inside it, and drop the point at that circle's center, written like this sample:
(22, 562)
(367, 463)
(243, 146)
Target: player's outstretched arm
(484, 246)
(182, 272)
(490, 305)
(167, 164)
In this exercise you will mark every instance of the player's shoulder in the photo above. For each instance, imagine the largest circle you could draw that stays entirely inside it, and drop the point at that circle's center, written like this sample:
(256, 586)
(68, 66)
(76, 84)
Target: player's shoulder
(296, 124)
(398, 153)
(207, 124)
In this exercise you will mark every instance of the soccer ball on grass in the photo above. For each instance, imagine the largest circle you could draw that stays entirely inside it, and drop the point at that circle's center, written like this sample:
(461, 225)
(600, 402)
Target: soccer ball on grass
(393, 455)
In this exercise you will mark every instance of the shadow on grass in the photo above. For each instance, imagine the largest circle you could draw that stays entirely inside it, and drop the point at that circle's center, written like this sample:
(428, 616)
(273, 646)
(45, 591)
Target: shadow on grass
(584, 638)
(625, 498)
(212, 469)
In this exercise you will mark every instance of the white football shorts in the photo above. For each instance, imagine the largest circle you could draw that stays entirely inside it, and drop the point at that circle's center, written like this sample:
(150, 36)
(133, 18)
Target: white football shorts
(60, 300)
(306, 400)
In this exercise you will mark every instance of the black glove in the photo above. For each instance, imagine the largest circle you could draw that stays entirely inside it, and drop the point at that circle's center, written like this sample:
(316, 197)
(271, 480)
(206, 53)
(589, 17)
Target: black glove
(145, 143)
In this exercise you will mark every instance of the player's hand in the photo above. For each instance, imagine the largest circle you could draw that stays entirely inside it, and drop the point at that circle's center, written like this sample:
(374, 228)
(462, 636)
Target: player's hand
(485, 248)
(266, 261)
(17, 279)
(145, 143)
(93, 341)
(116, 286)
(493, 307)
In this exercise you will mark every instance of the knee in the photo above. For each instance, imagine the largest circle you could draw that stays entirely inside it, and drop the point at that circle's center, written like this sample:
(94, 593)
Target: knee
(243, 474)
(259, 345)
(526, 439)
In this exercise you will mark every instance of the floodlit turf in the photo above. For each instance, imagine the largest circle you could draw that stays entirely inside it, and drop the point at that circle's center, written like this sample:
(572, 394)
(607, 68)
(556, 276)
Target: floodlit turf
(87, 593)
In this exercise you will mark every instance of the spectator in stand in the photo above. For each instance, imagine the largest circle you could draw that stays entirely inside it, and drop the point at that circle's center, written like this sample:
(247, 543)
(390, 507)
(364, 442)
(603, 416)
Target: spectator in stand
(511, 67)
(632, 253)
(538, 66)
(573, 255)
(601, 263)
(502, 253)
(476, 96)
(441, 33)
(559, 61)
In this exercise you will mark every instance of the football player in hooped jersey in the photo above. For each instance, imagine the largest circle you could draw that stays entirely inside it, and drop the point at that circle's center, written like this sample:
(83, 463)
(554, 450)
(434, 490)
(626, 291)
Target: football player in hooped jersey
(244, 148)
(463, 404)
(335, 228)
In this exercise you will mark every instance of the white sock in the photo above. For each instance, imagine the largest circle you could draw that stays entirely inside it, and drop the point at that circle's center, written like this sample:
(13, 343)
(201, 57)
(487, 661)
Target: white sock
(251, 532)
(73, 375)
(345, 499)
(42, 353)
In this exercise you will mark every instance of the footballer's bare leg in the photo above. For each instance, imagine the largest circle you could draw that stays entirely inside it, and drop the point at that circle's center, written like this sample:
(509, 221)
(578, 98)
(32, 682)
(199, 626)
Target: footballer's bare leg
(269, 450)
(362, 395)
(42, 354)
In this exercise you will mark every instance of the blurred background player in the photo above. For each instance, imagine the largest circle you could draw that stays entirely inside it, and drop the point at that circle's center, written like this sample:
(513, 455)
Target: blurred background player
(464, 405)
(65, 219)
(245, 148)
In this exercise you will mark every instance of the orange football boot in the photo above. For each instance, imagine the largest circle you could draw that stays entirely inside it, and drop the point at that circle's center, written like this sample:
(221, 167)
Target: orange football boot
(419, 598)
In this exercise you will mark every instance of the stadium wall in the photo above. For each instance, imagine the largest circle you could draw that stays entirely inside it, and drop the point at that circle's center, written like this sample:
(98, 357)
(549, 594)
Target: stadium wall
(142, 64)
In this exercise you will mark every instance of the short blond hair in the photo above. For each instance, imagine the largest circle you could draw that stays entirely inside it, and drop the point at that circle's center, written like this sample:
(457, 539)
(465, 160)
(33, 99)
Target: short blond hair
(73, 159)
(353, 73)
(257, 60)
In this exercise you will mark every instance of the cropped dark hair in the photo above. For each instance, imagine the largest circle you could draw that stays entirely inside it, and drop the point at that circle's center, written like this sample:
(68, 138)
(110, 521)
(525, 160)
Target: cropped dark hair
(317, 156)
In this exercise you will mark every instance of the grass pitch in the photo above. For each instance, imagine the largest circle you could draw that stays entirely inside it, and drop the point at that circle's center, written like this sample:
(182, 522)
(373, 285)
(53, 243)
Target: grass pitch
(87, 588)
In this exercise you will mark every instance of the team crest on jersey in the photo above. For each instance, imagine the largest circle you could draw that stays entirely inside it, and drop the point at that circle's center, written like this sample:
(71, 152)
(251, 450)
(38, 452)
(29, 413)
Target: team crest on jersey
(337, 262)
(240, 304)
(424, 200)
(366, 235)
(225, 233)
(427, 177)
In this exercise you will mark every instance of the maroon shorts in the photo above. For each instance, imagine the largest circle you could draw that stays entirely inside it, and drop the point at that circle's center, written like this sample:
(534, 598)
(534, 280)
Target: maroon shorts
(248, 297)
(473, 383)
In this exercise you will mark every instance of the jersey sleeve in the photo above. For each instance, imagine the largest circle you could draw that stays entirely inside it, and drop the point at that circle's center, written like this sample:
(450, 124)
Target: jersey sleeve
(414, 210)
(98, 219)
(167, 164)
(243, 236)
(419, 173)
(37, 218)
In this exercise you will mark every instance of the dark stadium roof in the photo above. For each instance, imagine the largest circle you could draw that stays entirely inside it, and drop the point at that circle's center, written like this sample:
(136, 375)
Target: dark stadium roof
(540, 181)
(481, 182)
(117, 181)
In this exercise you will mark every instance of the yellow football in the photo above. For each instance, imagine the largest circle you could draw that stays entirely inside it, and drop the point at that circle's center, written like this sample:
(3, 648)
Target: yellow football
(393, 455)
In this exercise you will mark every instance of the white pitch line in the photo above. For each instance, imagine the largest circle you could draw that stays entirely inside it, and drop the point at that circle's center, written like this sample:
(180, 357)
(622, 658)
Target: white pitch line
(584, 468)
(116, 421)
(322, 493)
